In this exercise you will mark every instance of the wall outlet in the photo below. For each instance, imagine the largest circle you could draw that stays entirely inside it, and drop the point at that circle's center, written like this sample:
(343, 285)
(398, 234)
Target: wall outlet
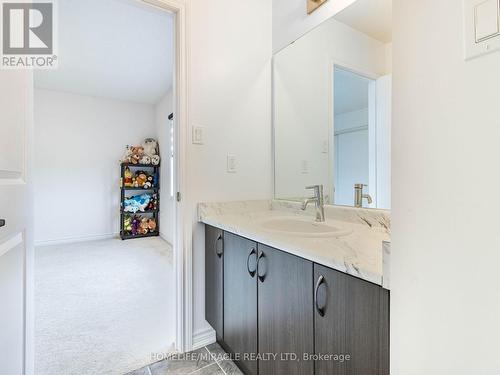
(198, 135)
(231, 163)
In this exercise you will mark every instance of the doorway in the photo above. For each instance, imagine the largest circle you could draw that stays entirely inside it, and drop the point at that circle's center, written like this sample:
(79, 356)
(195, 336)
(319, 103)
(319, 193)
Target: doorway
(354, 124)
(104, 305)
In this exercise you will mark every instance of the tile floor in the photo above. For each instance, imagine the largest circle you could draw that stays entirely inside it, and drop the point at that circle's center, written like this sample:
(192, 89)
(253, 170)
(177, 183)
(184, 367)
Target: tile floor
(210, 360)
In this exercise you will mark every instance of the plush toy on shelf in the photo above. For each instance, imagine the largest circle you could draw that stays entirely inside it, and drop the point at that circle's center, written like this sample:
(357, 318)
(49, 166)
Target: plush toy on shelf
(149, 182)
(155, 160)
(150, 147)
(137, 203)
(152, 225)
(147, 153)
(136, 221)
(127, 178)
(144, 226)
(153, 203)
(127, 224)
(141, 178)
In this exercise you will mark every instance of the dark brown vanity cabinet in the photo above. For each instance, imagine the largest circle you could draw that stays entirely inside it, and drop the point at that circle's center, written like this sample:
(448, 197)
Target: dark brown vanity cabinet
(240, 301)
(284, 315)
(286, 321)
(351, 319)
(214, 283)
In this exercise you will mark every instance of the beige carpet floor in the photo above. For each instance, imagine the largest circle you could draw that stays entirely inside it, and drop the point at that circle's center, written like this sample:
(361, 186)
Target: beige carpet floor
(103, 307)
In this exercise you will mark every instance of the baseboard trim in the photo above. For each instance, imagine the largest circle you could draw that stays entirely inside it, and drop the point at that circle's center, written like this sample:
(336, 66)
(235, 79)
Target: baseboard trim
(68, 240)
(166, 238)
(203, 338)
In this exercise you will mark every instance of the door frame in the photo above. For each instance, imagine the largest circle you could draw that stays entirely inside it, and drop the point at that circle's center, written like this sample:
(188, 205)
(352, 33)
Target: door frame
(372, 76)
(182, 239)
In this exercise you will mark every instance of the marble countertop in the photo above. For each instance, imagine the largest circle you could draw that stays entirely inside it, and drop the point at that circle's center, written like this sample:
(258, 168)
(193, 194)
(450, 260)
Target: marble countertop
(364, 252)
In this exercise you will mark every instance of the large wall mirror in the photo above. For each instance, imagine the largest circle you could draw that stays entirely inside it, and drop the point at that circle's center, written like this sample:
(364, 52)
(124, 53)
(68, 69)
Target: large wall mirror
(332, 109)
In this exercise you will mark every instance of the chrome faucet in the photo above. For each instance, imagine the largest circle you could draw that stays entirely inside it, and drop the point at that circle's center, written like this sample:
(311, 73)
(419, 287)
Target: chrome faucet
(318, 200)
(359, 196)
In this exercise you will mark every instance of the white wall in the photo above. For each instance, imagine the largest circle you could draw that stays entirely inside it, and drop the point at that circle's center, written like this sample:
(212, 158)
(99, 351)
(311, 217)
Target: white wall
(291, 21)
(230, 95)
(445, 299)
(79, 141)
(303, 87)
(162, 110)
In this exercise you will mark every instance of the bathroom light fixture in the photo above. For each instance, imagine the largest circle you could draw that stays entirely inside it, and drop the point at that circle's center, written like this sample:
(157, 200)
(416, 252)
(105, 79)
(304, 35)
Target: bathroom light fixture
(312, 5)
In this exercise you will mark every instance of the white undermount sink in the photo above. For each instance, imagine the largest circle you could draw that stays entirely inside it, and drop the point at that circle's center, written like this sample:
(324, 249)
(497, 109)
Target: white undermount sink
(302, 227)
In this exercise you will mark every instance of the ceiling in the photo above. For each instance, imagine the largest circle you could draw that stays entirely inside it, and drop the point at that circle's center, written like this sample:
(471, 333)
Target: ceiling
(117, 49)
(371, 17)
(351, 91)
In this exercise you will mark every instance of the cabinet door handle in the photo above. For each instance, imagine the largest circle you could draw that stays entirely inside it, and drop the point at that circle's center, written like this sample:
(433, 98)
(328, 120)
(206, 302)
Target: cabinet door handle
(261, 277)
(319, 309)
(252, 273)
(220, 240)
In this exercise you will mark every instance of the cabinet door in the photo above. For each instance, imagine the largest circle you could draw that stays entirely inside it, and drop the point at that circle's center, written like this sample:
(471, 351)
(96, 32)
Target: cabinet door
(349, 320)
(214, 260)
(285, 312)
(240, 300)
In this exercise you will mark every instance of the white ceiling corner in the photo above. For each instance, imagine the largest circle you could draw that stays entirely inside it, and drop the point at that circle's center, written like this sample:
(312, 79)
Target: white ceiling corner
(118, 49)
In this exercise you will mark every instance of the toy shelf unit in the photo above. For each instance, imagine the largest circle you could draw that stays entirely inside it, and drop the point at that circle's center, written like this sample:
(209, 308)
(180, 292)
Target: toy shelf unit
(140, 200)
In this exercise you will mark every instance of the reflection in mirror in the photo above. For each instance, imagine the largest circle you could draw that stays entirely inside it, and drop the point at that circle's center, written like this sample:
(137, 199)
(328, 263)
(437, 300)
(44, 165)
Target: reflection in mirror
(332, 109)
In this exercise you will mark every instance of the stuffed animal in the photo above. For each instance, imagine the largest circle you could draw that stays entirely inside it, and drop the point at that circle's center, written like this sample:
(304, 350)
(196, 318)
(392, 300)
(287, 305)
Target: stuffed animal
(151, 225)
(149, 182)
(145, 159)
(137, 203)
(150, 147)
(144, 226)
(153, 203)
(135, 225)
(147, 153)
(127, 178)
(137, 152)
(126, 155)
(127, 224)
(141, 178)
(155, 159)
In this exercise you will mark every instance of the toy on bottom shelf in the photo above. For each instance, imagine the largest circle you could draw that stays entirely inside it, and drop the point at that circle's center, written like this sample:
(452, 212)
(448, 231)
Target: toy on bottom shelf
(138, 225)
(148, 225)
(127, 223)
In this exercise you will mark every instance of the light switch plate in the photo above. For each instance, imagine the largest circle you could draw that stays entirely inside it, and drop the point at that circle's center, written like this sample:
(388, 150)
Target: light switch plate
(198, 135)
(231, 163)
(481, 27)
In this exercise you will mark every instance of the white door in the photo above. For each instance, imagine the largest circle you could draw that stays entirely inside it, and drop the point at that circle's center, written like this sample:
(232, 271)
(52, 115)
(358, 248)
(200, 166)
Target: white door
(16, 250)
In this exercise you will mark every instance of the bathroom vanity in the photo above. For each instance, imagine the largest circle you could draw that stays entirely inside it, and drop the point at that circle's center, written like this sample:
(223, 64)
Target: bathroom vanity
(286, 295)
(296, 289)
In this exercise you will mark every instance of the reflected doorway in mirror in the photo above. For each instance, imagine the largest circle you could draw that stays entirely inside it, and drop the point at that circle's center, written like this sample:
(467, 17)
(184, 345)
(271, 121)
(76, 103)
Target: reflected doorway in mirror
(312, 5)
